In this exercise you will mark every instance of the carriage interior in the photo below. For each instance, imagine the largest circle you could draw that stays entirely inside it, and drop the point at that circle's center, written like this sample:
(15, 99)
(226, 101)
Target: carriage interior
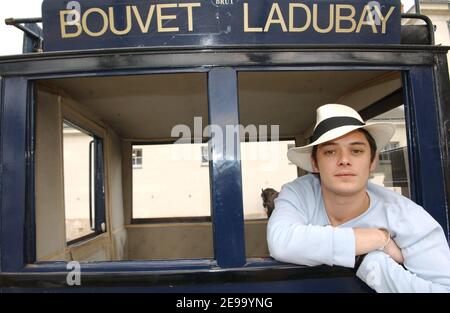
(157, 204)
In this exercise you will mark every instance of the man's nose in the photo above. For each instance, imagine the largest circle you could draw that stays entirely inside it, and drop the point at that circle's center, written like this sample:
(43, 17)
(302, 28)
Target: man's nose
(344, 159)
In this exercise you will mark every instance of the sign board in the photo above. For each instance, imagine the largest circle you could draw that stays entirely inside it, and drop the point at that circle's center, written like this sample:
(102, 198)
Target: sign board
(98, 24)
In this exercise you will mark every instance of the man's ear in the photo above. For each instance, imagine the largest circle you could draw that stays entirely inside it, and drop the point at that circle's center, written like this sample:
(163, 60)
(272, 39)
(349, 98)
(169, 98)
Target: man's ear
(374, 163)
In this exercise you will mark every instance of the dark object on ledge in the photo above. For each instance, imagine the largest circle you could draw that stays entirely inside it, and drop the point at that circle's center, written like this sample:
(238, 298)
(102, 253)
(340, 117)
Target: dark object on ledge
(268, 196)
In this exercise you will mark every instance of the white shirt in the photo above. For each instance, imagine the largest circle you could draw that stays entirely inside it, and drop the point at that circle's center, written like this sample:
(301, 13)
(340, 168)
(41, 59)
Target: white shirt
(299, 232)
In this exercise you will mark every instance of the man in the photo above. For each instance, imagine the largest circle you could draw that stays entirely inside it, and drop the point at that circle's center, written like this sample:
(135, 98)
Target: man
(336, 217)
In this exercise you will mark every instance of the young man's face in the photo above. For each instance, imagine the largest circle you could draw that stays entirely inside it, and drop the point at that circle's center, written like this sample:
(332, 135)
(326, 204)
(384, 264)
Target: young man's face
(344, 164)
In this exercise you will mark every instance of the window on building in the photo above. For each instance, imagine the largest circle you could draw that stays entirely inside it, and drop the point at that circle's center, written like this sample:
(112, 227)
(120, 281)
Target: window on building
(137, 158)
(205, 156)
(392, 145)
(386, 152)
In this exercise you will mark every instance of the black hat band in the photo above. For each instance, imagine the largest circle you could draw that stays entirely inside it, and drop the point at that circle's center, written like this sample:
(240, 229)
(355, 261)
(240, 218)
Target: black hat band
(332, 123)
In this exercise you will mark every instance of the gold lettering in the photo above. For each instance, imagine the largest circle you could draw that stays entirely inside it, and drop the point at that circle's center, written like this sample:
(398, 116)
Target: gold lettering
(161, 17)
(246, 28)
(105, 22)
(144, 28)
(367, 12)
(384, 19)
(316, 18)
(64, 24)
(292, 28)
(189, 7)
(113, 27)
(279, 20)
(340, 18)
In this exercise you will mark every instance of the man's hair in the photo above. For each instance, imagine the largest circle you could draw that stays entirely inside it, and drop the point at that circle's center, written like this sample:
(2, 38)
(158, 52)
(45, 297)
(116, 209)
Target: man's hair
(372, 144)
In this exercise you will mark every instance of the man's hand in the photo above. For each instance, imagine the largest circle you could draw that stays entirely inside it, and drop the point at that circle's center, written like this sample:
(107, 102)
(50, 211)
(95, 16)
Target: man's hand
(394, 251)
(371, 239)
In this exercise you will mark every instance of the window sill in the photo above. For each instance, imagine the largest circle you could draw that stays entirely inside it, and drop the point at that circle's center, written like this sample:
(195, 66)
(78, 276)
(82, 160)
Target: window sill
(171, 220)
(166, 274)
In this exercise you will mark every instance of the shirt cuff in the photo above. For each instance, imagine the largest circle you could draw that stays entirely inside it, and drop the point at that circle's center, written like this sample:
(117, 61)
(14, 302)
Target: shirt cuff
(344, 247)
(370, 266)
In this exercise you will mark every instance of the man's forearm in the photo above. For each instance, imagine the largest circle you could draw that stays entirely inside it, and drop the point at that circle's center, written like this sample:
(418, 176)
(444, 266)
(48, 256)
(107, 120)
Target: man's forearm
(311, 244)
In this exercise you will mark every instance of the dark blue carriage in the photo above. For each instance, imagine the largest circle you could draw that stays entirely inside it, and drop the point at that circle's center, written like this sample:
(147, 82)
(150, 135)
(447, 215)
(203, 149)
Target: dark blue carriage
(124, 73)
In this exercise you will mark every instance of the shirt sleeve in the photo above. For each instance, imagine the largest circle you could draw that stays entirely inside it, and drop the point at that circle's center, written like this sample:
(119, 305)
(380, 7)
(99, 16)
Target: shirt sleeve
(383, 274)
(426, 257)
(292, 239)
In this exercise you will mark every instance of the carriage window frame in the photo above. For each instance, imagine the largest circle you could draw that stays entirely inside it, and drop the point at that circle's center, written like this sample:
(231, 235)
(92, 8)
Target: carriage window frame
(149, 265)
(381, 106)
(97, 204)
(168, 220)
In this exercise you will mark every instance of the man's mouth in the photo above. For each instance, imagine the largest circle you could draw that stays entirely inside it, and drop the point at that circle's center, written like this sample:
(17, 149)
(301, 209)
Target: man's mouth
(345, 175)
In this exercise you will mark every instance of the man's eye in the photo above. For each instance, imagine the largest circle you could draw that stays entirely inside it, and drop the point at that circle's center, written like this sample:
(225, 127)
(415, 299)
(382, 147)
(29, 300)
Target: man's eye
(357, 151)
(329, 152)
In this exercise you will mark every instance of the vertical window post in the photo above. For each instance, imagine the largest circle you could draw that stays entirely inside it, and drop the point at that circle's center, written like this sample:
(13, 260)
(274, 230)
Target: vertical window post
(99, 178)
(225, 170)
(423, 126)
(91, 180)
(13, 172)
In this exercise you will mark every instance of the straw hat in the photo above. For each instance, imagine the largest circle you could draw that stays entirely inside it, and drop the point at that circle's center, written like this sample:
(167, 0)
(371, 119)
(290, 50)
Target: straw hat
(334, 121)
